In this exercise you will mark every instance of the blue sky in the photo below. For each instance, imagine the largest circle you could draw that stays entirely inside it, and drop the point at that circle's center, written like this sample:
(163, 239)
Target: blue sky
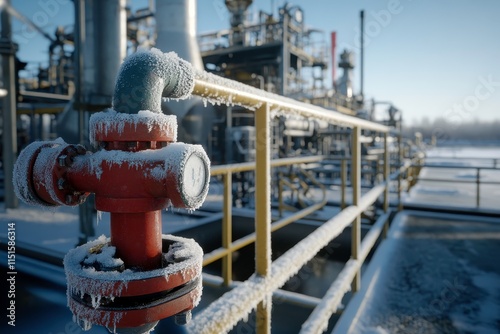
(431, 58)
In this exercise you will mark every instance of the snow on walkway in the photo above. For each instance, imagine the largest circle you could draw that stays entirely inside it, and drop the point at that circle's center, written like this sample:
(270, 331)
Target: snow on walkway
(434, 274)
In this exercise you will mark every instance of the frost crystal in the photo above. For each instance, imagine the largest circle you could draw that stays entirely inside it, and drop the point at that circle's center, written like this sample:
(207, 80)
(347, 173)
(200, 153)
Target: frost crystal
(21, 177)
(145, 75)
(185, 257)
(110, 120)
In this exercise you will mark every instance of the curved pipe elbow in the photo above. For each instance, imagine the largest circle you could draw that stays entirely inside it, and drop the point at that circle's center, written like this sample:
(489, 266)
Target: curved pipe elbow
(146, 76)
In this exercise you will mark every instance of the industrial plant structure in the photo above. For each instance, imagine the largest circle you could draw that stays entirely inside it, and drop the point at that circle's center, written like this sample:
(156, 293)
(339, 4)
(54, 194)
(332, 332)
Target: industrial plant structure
(136, 113)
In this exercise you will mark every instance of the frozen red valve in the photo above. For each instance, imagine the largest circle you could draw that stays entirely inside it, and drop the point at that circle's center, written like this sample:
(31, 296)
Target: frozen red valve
(138, 276)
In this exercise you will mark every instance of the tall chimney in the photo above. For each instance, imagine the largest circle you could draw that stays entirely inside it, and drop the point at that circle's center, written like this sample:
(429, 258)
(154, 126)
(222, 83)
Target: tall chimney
(176, 31)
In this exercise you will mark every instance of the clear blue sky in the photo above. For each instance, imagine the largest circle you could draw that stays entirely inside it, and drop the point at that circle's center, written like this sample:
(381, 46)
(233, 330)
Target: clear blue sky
(431, 58)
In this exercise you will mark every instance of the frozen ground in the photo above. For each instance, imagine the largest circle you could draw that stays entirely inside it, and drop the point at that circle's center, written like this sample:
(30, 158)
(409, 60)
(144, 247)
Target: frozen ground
(434, 274)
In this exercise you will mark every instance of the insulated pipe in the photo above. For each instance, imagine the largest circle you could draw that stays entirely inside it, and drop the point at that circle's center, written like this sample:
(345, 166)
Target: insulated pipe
(146, 75)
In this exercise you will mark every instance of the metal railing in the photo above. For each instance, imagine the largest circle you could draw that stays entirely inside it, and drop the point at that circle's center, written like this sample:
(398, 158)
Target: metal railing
(255, 293)
(477, 180)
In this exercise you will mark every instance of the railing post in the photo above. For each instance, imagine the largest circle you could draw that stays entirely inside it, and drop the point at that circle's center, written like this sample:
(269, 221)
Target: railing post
(262, 210)
(343, 181)
(280, 195)
(400, 174)
(478, 190)
(356, 192)
(227, 260)
(386, 179)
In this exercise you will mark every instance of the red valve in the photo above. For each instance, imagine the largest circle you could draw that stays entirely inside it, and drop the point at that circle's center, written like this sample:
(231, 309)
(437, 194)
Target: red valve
(138, 276)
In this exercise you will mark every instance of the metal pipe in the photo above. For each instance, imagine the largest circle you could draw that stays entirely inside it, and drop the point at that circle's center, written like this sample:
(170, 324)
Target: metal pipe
(250, 238)
(109, 46)
(343, 182)
(227, 234)
(452, 166)
(332, 299)
(249, 166)
(400, 160)
(263, 211)
(144, 249)
(9, 140)
(362, 52)
(386, 179)
(43, 95)
(145, 76)
(478, 183)
(286, 296)
(237, 303)
(356, 192)
(333, 36)
(155, 73)
(213, 88)
(79, 62)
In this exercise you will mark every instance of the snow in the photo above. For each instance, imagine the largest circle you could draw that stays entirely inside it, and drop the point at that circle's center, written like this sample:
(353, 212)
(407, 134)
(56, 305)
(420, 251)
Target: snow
(111, 284)
(110, 120)
(105, 258)
(21, 180)
(184, 248)
(44, 166)
(461, 193)
(432, 274)
(223, 314)
(331, 301)
(147, 74)
(236, 93)
(188, 164)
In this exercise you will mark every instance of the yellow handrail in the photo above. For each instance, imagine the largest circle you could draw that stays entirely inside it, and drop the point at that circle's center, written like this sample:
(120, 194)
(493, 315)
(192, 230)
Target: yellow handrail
(255, 293)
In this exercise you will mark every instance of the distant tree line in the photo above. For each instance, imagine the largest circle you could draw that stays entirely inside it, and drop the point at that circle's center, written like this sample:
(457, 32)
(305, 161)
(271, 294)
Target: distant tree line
(445, 130)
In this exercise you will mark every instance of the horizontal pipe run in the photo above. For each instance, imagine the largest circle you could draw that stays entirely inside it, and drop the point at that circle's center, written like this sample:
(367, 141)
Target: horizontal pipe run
(239, 302)
(219, 253)
(43, 95)
(318, 320)
(290, 297)
(461, 159)
(250, 166)
(455, 167)
(213, 87)
(456, 181)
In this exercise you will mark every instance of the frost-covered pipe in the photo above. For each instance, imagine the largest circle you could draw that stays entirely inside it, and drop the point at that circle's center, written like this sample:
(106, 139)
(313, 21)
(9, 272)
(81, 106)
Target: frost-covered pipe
(146, 76)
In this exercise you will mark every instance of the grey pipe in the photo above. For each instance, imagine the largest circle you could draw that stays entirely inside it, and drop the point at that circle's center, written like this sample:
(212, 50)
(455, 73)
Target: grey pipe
(146, 76)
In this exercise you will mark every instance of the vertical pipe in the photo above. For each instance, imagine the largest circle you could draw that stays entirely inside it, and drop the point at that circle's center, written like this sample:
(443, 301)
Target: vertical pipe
(262, 210)
(400, 174)
(386, 179)
(285, 56)
(109, 45)
(227, 229)
(85, 210)
(9, 140)
(362, 51)
(137, 238)
(78, 54)
(343, 181)
(356, 193)
(280, 195)
(478, 190)
(334, 58)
